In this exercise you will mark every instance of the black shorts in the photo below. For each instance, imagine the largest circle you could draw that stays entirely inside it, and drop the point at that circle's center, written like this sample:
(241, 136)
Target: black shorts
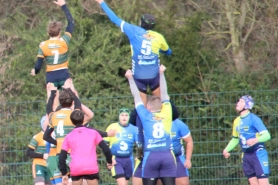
(88, 177)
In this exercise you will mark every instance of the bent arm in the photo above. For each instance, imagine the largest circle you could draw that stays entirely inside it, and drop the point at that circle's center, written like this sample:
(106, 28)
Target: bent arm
(69, 17)
(106, 150)
(31, 153)
(232, 144)
(265, 136)
(189, 147)
(47, 135)
(167, 52)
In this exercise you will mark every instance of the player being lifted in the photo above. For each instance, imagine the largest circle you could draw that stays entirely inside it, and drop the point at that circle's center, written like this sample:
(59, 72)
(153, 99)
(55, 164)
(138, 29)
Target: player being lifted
(55, 51)
(121, 146)
(156, 119)
(145, 48)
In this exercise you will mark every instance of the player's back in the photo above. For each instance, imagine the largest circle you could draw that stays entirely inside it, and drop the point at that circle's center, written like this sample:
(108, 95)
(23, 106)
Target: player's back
(55, 52)
(62, 125)
(145, 46)
(157, 127)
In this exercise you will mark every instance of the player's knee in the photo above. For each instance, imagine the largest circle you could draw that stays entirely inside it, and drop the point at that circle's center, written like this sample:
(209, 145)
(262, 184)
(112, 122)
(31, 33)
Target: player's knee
(39, 180)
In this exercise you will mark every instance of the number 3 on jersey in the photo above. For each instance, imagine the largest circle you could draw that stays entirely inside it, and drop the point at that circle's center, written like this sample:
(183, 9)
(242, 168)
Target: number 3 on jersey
(60, 128)
(158, 130)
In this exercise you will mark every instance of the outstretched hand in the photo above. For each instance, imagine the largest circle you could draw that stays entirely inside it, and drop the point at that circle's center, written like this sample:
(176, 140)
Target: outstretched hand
(99, 1)
(60, 2)
(128, 74)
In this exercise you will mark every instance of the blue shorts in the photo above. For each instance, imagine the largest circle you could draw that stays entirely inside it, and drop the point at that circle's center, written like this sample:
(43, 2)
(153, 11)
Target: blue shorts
(256, 164)
(181, 170)
(123, 168)
(137, 172)
(156, 167)
(143, 84)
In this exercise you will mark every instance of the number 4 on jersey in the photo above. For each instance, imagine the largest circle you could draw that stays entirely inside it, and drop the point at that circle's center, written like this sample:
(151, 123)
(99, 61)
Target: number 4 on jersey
(60, 128)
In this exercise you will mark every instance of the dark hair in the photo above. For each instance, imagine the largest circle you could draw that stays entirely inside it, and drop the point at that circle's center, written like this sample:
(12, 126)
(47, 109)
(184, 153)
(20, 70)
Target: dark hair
(66, 98)
(147, 21)
(77, 117)
(54, 28)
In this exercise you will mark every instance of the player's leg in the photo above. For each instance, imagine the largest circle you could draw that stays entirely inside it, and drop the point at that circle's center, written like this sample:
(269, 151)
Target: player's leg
(38, 174)
(118, 171)
(168, 168)
(253, 181)
(142, 85)
(149, 181)
(159, 182)
(182, 175)
(154, 86)
(137, 173)
(260, 164)
(248, 169)
(77, 182)
(91, 179)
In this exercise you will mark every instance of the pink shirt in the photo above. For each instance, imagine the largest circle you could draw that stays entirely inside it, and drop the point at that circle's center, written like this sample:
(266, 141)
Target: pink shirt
(82, 143)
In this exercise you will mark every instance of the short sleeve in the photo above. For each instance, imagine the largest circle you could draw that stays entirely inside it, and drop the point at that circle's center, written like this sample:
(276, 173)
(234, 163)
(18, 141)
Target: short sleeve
(183, 129)
(98, 138)
(33, 143)
(235, 133)
(142, 111)
(66, 37)
(164, 45)
(259, 125)
(66, 144)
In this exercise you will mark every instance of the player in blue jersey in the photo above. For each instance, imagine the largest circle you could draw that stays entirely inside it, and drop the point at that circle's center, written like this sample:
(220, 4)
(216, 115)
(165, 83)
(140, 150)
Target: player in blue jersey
(145, 48)
(180, 133)
(156, 119)
(121, 147)
(250, 132)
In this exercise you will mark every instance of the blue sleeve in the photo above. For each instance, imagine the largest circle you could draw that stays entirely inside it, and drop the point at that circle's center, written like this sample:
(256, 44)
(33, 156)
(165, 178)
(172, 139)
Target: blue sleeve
(140, 136)
(183, 128)
(112, 16)
(47, 146)
(259, 125)
(69, 17)
(168, 52)
(38, 65)
(142, 112)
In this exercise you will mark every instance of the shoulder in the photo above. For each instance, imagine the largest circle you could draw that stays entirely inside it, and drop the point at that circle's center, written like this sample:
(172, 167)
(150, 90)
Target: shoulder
(42, 44)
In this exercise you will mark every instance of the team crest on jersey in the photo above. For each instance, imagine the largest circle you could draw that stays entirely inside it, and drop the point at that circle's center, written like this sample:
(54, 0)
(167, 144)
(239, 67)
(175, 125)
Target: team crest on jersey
(60, 116)
(148, 36)
(53, 46)
(157, 118)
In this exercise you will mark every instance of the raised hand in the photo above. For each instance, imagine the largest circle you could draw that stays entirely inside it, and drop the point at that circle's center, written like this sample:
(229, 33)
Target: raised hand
(60, 2)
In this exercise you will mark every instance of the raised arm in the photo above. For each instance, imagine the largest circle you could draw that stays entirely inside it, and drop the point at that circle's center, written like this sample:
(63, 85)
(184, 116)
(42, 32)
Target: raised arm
(52, 90)
(163, 84)
(112, 16)
(133, 87)
(69, 17)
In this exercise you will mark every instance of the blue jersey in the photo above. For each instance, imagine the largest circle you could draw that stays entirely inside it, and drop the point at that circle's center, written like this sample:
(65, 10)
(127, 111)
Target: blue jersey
(248, 127)
(179, 131)
(145, 46)
(156, 127)
(122, 144)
